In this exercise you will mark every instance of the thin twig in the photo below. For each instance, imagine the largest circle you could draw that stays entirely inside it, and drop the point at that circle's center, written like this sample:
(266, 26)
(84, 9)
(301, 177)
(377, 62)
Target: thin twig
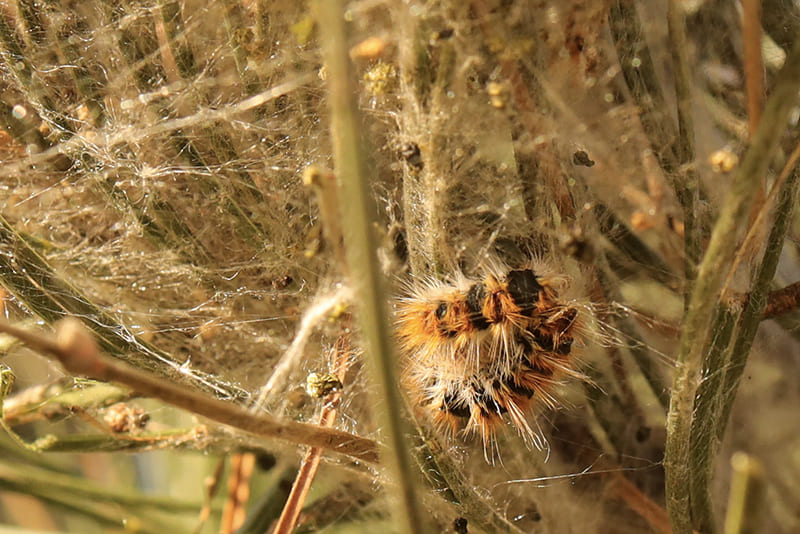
(233, 513)
(421, 198)
(685, 181)
(59, 399)
(748, 493)
(753, 311)
(640, 503)
(302, 484)
(754, 235)
(754, 82)
(723, 117)
(617, 232)
(640, 76)
(267, 508)
(361, 244)
(717, 260)
(325, 189)
(78, 354)
(779, 301)
(782, 301)
(753, 63)
(194, 438)
(308, 468)
(672, 145)
(638, 348)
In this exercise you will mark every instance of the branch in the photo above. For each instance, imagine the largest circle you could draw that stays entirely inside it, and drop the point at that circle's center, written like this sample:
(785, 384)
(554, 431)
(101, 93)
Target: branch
(77, 352)
(705, 296)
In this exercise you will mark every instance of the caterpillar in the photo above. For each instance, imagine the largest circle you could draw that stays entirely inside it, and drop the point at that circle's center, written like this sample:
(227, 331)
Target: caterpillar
(476, 351)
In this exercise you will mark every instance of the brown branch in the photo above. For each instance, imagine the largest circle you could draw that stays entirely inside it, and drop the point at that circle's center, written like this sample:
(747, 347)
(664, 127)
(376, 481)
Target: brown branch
(783, 301)
(753, 64)
(308, 469)
(779, 302)
(233, 513)
(754, 79)
(78, 353)
(640, 503)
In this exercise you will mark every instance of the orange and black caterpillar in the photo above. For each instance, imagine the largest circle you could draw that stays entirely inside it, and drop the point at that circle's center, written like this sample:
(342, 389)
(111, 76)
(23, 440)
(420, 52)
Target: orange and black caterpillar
(476, 350)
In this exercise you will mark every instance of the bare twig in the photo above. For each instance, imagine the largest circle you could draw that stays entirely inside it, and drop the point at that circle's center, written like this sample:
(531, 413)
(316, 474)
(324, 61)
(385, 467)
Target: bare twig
(685, 181)
(640, 503)
(753, 311)
(76, 351)
(308, 468)
(779, 302)
(748, 492)
(326, 190)
(360, 245)
(783, 301)
(639, 71)
(233, 513)
(754, 237)
(754, 81)
(753, 63)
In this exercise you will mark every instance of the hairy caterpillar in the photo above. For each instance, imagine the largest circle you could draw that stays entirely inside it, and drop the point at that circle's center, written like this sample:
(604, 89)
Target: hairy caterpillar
(478, 350)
